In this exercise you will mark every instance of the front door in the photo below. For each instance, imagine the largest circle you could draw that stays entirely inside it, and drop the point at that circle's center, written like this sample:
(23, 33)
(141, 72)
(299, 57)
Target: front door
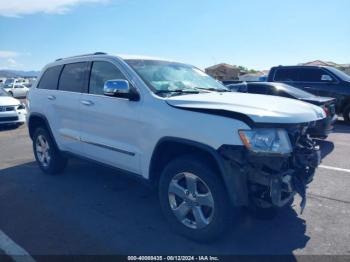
(110, 127)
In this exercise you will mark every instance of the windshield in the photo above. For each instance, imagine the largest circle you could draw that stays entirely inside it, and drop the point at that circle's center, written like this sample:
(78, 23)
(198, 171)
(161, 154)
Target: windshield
(343, 76)
(295, 92)
(164, 77)
(3, 92)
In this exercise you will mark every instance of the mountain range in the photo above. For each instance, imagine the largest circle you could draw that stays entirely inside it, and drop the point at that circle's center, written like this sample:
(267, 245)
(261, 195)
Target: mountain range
(18, 73)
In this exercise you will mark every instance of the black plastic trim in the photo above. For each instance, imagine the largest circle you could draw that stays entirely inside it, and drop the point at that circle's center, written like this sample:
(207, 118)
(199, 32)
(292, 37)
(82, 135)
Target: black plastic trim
(46, 124)
(229, 175)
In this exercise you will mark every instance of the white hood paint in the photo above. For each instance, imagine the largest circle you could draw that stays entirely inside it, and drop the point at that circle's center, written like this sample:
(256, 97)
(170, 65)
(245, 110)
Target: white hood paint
(260, 108)
(8, 101)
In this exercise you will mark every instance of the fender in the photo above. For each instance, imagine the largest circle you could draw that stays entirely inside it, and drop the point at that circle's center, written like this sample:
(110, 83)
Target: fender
(231, 175)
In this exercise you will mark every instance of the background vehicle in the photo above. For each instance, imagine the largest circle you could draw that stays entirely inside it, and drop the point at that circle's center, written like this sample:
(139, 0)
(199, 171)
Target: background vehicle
(12, 111)
(17, 90)
(318, 80)
(322, 128)
(206, 149)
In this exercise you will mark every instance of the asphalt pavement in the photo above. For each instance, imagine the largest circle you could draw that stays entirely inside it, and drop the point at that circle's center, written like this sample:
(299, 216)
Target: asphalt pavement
(94, 210)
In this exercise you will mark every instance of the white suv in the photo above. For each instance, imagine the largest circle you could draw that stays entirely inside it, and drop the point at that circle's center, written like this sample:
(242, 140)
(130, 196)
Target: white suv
(207, 150)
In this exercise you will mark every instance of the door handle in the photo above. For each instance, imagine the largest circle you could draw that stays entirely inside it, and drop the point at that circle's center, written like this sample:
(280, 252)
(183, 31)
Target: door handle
(87, 102)
(51, 97)
(307, 87)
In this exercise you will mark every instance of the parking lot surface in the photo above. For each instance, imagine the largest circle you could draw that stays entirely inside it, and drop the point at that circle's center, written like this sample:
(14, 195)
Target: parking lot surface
(96, 210)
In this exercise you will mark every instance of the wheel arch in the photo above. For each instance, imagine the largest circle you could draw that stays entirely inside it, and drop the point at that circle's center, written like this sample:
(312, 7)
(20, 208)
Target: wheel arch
(231, 176)
(36, 120)
(169, 148)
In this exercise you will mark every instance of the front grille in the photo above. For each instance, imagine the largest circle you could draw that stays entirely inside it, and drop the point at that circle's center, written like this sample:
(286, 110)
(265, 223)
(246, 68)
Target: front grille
(9, 118)
(7, 108)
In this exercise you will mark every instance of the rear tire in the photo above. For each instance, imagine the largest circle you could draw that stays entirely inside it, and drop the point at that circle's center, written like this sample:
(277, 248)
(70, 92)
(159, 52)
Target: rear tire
(207, 213)
(346, 114)
(47, 155)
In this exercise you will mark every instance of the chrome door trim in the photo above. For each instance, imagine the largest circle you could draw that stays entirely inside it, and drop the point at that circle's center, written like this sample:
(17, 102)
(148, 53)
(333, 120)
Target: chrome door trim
(108, 147)
(99, 145)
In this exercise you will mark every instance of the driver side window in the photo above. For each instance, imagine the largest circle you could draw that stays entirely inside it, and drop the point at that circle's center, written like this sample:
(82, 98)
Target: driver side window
(101, 72)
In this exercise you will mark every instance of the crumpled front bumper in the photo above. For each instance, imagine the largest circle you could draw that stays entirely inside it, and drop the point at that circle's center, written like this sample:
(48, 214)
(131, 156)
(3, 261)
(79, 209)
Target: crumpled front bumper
(271, 180)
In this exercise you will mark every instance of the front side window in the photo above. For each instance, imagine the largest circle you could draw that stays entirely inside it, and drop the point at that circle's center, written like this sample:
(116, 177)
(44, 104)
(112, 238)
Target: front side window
(100, 73)
(163, 77)
(49, 80)
(314, 75)
(73, 77)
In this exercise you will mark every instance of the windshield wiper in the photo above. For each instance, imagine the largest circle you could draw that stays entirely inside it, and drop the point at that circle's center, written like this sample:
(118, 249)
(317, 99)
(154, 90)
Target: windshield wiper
(214, 89)
(177, 91)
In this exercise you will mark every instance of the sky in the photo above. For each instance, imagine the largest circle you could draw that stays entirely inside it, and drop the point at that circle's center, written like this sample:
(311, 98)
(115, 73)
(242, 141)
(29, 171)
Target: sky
(257, 34)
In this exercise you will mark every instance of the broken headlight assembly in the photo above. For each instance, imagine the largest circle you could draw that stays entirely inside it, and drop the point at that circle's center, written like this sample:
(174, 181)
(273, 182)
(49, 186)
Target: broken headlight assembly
(266, 140)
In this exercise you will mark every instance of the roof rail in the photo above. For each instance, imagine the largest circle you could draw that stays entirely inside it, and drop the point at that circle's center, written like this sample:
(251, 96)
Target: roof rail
(96, 53)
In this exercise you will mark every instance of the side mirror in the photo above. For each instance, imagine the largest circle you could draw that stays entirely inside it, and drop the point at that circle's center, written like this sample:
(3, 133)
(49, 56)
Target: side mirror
(120, 88)
(326, 78)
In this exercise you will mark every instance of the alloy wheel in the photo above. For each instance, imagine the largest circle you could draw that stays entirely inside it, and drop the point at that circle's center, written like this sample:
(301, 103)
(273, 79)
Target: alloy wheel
(191, 200)
(43, 150)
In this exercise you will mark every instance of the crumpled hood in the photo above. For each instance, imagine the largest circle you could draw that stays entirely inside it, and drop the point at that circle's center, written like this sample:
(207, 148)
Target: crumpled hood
(8, 101)
(259, 108)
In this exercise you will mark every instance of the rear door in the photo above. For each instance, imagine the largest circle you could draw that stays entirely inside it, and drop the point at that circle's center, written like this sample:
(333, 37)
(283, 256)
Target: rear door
(111, 127)
(66, 120)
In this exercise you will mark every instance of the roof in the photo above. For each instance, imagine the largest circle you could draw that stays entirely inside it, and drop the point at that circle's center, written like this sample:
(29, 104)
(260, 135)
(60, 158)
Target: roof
(140, 57)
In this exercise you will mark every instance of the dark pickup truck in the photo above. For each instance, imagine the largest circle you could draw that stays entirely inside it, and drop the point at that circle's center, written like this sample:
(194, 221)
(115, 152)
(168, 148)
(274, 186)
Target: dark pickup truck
(319, 80)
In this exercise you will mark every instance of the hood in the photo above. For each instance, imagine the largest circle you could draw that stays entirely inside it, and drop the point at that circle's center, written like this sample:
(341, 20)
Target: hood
(259, 108)
(8, 101)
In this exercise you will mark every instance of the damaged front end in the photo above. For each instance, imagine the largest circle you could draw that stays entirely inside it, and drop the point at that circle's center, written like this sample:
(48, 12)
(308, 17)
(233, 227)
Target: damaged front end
(272, 179)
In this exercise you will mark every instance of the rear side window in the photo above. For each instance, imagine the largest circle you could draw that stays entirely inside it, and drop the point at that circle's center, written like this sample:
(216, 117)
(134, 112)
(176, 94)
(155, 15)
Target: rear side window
(100, 73)
(73, 77)
(286, 75)
(49, 80)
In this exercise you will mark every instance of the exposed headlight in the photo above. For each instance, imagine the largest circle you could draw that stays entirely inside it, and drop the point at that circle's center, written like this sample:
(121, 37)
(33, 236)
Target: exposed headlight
(266, 140)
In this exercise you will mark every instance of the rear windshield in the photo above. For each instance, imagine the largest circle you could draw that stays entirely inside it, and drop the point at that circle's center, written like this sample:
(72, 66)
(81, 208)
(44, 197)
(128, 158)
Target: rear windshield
(293, 91)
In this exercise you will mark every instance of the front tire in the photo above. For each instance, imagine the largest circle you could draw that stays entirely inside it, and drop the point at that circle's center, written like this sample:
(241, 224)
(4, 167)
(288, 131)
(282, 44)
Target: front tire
(47, 155)
(194, 200)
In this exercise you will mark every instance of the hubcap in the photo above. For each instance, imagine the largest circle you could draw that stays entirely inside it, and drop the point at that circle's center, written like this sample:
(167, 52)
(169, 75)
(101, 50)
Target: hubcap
(43, 150)
(191, 200)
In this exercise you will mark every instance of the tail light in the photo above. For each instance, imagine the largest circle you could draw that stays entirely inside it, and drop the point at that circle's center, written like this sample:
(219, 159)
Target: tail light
(326, 110)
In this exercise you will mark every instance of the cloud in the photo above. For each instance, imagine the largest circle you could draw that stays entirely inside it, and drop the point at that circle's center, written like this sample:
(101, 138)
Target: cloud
(16, 8)
(8, 54)
(8, 61)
